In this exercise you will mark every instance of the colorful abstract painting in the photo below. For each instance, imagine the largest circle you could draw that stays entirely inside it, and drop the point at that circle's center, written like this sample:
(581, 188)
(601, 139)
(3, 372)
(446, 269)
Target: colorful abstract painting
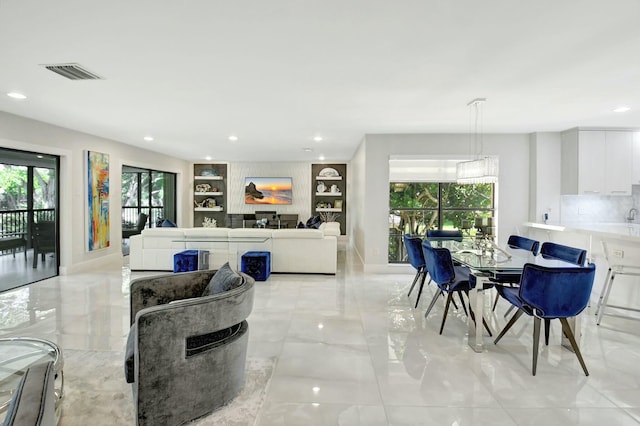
(98, 200)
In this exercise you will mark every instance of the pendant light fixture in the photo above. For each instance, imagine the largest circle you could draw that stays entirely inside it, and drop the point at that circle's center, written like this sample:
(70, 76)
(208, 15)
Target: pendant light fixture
(481, 169)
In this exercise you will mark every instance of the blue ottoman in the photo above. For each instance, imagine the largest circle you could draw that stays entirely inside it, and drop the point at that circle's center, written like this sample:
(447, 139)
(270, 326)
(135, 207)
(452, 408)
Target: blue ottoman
(190, 260)
(256, 264)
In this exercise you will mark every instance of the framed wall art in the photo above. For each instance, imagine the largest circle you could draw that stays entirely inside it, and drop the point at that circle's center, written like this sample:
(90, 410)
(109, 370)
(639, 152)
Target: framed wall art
(97, 200)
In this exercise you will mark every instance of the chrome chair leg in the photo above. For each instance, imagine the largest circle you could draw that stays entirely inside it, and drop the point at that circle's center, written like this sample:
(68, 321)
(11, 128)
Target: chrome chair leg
(604, 290)
(603, 303)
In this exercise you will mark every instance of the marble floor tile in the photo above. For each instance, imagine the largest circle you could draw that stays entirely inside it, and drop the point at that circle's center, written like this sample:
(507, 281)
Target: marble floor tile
(350, 349)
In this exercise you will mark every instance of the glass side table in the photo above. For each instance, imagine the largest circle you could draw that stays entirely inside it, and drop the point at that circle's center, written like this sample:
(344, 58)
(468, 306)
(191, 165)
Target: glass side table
(17, 354)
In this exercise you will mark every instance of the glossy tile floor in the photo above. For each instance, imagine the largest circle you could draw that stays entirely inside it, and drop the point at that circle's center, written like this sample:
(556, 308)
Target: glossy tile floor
(351, 350)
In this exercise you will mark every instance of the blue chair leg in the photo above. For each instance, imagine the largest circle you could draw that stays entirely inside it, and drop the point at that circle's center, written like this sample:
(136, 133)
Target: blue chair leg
(415, 280)
(446, 310)
(506, 328)
(433, 302)
(547, 326)
(536, 343)
(424, 277)
(567, 331)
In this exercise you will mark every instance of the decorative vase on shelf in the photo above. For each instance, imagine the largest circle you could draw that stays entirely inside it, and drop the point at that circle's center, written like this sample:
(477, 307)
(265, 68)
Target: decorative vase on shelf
(321, 187)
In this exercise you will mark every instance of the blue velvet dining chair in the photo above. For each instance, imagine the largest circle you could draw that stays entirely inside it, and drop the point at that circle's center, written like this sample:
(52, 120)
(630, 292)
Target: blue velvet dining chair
(568, 254)
(551, 293)
(518, 243)
(523, 243)
(413, 245)
(556, 251)
(450, 279)
(443, 234)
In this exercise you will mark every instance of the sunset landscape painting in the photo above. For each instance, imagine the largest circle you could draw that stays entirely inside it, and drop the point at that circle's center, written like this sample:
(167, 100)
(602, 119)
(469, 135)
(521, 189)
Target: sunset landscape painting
(267, 190)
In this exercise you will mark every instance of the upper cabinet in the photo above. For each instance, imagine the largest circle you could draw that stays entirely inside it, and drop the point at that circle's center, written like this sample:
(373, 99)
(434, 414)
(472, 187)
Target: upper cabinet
(329, 193)
(209, 194)
(636, 158)
(597, 162)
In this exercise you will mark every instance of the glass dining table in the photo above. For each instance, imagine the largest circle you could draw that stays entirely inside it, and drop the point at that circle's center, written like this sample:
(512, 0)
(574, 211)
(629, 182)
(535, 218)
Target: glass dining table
(488, 261)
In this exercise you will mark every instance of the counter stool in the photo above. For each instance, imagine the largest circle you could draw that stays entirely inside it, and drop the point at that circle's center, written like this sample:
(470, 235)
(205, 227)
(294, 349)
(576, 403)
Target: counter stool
(614, 269)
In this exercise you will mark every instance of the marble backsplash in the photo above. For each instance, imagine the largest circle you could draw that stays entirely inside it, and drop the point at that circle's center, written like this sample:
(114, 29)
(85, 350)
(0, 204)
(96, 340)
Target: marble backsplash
(598, 208)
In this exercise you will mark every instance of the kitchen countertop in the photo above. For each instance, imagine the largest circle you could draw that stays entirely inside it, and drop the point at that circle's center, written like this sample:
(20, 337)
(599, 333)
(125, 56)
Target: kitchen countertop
(622, 230)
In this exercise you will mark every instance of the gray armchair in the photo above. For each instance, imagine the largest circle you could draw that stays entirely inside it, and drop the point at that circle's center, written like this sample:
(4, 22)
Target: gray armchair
(186, 353)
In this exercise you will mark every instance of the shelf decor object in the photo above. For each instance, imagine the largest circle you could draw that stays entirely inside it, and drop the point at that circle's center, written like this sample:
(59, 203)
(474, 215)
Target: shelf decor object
(209, 194)
(483, 169)
(329, 172)
(329, 193)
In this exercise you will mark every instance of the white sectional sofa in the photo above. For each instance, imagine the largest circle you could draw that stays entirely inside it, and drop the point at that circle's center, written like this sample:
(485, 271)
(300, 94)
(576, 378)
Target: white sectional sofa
(292, 250)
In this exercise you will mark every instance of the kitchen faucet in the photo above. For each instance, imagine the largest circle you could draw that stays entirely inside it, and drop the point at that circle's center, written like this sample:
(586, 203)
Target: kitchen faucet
(631, 217)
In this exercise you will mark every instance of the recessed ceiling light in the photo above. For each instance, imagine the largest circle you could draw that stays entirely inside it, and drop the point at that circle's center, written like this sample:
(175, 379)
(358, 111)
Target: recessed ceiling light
(233, 138)
(622, 109)
(321, 158)
(16, 95)
(148, 138)
(208, 158)
(317, 138)
(307, 149)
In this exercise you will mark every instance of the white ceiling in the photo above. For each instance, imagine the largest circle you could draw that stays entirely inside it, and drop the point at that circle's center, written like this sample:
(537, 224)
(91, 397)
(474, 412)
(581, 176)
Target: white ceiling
(278, 72)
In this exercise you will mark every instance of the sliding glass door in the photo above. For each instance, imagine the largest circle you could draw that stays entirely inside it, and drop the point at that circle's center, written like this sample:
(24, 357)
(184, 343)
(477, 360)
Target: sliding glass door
(29, 194)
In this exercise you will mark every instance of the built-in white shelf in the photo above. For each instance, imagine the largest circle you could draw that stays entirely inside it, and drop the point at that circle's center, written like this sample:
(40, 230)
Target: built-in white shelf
(327, 209)
(208, 209)
(329, 178)
(328, 194)
(207, 193)
(208, 177)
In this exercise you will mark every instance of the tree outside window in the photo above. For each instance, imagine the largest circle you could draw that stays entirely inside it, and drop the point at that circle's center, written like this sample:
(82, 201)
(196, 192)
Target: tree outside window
(415, 207)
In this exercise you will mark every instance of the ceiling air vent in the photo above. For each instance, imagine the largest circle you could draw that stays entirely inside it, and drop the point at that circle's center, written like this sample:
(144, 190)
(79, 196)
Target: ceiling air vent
(72, 72)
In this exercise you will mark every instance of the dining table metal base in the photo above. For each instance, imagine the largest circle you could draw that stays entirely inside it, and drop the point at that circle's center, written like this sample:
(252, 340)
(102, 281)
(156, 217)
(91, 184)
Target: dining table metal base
(477, 303)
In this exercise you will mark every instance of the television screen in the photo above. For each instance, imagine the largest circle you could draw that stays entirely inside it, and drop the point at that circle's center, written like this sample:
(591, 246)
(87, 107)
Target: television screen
(267, 190)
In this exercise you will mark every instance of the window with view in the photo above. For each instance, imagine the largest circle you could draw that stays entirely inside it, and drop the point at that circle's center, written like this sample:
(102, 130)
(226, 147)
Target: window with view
(415, 207)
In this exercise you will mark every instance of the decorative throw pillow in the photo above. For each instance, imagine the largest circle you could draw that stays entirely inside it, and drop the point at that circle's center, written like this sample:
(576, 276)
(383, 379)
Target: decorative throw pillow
(168, 224)
(314, 222)
(223, 280)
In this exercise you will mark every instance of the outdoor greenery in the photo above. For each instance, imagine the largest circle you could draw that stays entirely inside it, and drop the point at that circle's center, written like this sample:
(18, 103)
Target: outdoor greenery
(13, 187)
(415, 207)
(132, 182)
(146, 191)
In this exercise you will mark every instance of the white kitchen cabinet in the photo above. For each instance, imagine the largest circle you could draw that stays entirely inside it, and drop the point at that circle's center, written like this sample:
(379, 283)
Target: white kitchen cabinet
(597, 162)
(619, 162)
(636, 158)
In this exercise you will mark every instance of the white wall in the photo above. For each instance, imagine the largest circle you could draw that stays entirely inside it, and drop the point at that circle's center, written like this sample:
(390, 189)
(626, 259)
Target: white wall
(30, 135)
(546, 166)
(371, 231)
(357, 201)
(301, 181)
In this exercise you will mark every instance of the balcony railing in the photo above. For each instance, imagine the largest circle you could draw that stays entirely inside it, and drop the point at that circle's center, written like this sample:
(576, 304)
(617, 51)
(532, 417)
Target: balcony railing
(130, 215)
(16, 222)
